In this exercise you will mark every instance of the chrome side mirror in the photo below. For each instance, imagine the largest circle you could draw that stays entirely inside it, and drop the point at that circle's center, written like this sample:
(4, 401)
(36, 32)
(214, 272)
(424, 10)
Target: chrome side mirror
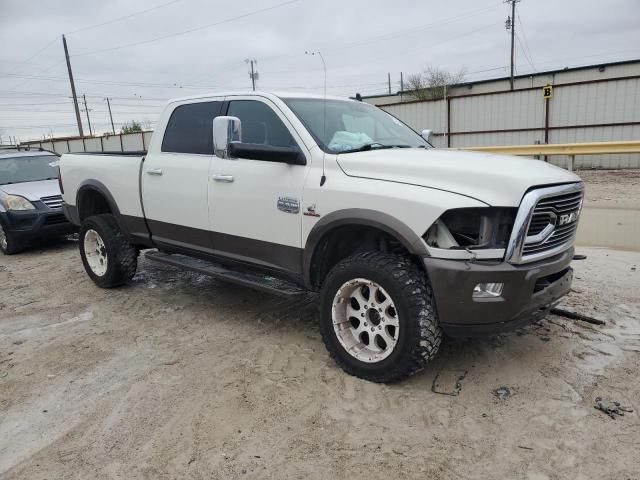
(225, 131)
(426, 134)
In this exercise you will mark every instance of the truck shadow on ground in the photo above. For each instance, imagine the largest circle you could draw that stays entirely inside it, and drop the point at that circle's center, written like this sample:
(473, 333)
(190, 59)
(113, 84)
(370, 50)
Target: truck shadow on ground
(269, 315)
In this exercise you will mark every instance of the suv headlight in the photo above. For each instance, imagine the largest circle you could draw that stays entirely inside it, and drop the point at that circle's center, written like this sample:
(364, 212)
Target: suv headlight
(472, 228)
(15, 202)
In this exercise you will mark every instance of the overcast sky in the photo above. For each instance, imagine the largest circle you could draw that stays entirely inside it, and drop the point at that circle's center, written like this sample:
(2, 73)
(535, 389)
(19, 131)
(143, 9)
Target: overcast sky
(144, 52)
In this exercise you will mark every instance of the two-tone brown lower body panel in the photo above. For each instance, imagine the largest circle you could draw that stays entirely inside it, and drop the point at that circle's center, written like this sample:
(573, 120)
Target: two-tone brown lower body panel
(529, 292)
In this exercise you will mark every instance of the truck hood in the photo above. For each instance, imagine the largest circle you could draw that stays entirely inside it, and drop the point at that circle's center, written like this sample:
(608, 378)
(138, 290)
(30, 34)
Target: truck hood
(498, 180)
(33, 191)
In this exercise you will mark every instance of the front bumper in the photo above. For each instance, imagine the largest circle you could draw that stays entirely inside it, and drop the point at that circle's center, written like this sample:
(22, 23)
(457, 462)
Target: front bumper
(529, 292)
(32, 224)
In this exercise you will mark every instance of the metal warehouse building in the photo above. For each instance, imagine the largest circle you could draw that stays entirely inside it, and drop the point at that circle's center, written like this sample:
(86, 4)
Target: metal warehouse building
(585, 104)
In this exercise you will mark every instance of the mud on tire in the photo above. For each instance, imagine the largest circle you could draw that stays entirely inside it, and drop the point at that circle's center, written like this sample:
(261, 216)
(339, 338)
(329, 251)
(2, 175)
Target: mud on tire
(121, 256)
(419, 334)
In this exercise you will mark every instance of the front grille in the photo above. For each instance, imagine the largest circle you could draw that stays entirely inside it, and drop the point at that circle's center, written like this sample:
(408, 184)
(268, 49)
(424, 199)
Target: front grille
(555, 211)
(55, 219)
(54, 201)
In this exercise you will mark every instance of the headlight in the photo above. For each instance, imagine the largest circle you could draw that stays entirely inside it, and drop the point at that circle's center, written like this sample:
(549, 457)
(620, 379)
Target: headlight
(472, 228)
(15, 202)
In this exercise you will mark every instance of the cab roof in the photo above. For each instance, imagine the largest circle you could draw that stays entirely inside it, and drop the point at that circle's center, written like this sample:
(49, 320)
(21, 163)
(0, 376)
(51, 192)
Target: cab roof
(271, 95)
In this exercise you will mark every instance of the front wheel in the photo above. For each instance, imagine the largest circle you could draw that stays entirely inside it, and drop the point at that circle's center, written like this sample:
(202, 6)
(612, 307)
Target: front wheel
(109, 259)
(8, 244)
(378, 317)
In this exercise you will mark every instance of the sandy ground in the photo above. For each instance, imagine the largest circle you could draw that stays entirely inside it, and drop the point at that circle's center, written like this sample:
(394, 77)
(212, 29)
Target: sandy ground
(180, 376)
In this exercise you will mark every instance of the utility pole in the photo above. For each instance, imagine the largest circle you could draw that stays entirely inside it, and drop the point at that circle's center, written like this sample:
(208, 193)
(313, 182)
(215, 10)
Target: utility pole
(253, 74)
(110, 116)
(511, 25)
(86, 109)
(73, 87)
(401, 86)
(389, 82)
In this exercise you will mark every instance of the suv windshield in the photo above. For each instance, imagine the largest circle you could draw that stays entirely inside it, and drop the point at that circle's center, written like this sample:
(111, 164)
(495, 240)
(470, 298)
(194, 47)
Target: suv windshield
(27, 169)
(352, 126)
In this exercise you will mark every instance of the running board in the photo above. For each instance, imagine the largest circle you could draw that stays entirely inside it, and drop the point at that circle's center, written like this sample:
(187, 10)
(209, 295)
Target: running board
(263, 283)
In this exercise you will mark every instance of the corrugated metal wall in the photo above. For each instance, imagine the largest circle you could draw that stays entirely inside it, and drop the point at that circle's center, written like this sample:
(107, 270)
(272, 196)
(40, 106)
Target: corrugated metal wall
(604, 110)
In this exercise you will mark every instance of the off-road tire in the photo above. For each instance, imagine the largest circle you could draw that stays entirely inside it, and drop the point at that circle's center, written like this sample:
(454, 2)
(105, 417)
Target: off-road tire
(121, 255)
(419, 335)
(12, 245)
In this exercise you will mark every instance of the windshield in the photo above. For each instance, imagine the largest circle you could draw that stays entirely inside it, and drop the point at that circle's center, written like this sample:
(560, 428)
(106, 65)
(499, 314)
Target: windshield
(352, 126)
(28, 169)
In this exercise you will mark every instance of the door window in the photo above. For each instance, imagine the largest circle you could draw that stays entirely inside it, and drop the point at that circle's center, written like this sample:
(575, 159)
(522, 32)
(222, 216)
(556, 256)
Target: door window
(260, 124)
(190, 128)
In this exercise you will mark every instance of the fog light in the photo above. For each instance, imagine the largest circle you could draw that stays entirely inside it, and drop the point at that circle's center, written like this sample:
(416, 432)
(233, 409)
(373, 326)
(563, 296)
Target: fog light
(487, 290)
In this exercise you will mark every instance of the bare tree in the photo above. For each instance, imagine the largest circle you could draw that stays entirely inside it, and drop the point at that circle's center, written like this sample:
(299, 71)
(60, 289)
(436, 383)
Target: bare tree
(433, 82)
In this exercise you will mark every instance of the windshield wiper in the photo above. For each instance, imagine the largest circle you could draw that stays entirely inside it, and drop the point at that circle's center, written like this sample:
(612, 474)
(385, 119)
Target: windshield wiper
(373, 146)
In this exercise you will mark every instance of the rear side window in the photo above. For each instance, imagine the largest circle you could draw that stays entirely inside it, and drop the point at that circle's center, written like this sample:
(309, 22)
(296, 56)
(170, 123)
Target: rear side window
(190, 128)
(260, 124)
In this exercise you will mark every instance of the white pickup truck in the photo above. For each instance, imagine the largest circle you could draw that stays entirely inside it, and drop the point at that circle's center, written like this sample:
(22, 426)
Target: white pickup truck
(297, 193)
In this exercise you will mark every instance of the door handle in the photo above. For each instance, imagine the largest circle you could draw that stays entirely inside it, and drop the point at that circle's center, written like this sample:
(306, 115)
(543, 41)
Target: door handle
(154, 171)
(223, 178)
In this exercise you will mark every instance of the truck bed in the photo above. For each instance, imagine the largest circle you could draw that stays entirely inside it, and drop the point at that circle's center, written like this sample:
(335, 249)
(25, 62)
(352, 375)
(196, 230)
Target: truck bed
(118, 172)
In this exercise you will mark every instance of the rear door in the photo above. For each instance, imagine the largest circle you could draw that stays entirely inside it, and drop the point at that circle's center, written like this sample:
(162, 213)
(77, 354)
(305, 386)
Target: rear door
(175, 177)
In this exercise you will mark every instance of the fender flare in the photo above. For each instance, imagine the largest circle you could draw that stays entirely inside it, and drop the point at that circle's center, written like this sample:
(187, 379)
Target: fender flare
(364, 217)
(97, 186)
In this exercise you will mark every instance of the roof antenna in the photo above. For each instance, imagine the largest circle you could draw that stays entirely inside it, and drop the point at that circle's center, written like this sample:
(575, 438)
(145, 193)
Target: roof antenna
(324, 111)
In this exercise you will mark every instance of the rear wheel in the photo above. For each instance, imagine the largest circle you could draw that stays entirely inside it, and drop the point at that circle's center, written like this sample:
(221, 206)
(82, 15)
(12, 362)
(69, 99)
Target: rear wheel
(108, 258)
(8, 244)
(378, 317)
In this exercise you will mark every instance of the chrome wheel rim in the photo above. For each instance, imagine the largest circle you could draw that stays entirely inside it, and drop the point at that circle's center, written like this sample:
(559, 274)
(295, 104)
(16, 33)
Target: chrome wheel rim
(95, 252)
(365, 320)
(3, 238)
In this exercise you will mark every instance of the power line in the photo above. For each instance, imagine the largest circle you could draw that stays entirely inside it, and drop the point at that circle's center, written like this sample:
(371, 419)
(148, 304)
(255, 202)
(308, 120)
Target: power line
(38, 52)
(39, 72)
(191, 30)
(431, 45)
(405, 51)
(374, 39)
(22, 127)
(14, 93)
(526, 43)
(27, 104)
(156, 85)
(524, 51)
(107, 82)
(56, 111)
(122, 18)
(398, 33)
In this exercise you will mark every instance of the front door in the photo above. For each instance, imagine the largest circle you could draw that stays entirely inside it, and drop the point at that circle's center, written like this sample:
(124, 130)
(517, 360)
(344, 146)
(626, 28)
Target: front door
(175, 178)
(255, 205)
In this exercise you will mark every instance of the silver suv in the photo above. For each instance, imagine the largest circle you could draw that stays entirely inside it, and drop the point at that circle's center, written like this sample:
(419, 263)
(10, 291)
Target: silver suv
(30, 199)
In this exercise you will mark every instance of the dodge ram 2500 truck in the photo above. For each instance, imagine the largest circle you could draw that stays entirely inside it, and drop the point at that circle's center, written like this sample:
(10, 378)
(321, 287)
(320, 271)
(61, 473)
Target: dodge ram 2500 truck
(296, 193)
